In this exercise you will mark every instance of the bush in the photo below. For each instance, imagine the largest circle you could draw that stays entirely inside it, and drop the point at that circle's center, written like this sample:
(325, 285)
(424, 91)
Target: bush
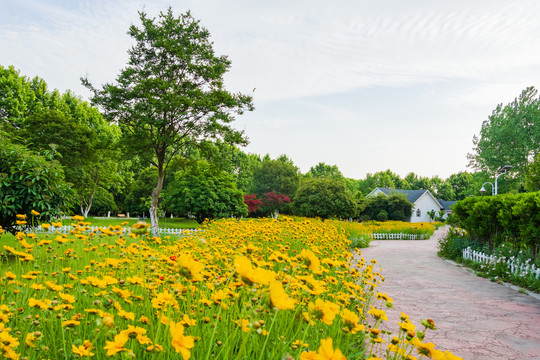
(29, 181)
(452, 246)
(396, 207)
(382, 215)
(494, 220)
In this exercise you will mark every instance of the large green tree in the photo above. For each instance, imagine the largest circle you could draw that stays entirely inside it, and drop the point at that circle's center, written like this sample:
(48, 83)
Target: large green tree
(323, 170)
(85, 141)
(205, 192)
(325, 197)
(510, 136)
(171, 93)
(279, 176)
(382, 179)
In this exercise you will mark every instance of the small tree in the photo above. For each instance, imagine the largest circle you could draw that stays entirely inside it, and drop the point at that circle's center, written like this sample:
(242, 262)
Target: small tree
(171, 94)
(253, 204)
(274, 202)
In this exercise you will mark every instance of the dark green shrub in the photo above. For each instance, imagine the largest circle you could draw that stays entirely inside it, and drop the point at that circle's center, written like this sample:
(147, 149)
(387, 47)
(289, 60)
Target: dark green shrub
(29, 181)
(396, 207)
(382, 215)
(494, 220)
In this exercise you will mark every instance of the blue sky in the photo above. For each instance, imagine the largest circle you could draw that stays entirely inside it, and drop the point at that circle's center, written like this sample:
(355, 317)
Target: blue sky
(366, 86)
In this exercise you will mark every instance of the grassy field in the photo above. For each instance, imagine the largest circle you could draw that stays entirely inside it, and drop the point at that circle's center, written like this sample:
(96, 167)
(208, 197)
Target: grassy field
(251, 289)
(174, 223)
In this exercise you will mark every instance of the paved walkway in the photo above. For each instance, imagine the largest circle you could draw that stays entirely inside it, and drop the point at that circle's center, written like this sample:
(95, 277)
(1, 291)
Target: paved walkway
(476, 318)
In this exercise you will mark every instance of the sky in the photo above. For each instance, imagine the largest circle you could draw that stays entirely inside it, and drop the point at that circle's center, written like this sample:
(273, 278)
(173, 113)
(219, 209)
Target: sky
(364, 85)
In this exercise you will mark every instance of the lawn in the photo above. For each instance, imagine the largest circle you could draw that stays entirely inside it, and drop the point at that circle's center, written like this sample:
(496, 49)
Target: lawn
(174, 223)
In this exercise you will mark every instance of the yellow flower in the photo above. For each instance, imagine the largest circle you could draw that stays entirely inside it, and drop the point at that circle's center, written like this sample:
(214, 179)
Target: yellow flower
(190, 267)
(311, 261)
(117, 345)
(279, 298)
(407, 327)
(182, 344)
(377, 314)
(309, 355)
(20, 216)
(67, 297)
(187, 321)
(323, 310)
(327, 352)
(163, 300)
(351, 321)
(30, 339)
(7, 340)
(423, 348)
(70, 323)
(37, 286)
(447, 355)
(35, 213)
(10, 276)
(243, 323)
(83, 350)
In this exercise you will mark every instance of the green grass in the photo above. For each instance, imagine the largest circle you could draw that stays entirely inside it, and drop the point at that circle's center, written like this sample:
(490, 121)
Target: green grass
(174, 223)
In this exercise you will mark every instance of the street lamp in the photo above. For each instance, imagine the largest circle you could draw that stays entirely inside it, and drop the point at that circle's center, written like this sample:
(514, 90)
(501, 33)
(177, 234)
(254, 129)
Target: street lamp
(500, 171)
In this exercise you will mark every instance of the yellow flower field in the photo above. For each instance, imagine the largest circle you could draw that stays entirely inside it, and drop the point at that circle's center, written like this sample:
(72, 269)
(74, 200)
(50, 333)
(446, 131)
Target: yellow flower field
(251, 289)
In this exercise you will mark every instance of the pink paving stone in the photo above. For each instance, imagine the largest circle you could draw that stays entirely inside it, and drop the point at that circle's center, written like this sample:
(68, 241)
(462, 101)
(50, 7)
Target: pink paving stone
(477, 319)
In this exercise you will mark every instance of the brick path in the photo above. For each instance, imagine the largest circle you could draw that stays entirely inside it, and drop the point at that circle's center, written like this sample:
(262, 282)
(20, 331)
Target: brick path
(476, 318)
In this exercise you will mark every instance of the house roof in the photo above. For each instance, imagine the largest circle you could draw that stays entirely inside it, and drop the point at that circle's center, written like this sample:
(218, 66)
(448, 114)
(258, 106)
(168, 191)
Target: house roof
(412, 195)
(446, 204)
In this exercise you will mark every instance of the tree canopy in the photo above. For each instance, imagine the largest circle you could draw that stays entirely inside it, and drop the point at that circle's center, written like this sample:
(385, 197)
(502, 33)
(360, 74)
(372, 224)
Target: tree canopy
(277, 176)
(171, 93)
(510, 136)
(325, 197)
(205, 193)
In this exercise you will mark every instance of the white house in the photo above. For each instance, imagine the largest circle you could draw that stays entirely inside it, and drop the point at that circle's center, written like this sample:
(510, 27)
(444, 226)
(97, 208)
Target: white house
(422, 200)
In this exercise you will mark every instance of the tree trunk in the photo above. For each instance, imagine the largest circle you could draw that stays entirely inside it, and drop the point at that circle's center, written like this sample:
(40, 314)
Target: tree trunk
(155, 199)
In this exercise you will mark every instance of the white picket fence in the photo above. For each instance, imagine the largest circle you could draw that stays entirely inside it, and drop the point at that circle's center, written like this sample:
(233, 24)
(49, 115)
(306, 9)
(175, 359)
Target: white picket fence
(514, 266)
(395, 236)
(126, 230)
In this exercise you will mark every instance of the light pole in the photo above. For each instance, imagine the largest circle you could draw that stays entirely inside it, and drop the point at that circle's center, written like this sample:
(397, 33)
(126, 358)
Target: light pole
(501, 171)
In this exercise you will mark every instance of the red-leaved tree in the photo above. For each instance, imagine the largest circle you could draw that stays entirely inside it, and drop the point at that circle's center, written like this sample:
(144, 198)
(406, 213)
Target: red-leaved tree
(252, 203)
(274, 202)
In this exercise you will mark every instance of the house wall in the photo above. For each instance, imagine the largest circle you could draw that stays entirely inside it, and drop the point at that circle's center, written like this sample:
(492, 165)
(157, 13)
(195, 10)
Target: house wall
(425, 203)
(375, 192)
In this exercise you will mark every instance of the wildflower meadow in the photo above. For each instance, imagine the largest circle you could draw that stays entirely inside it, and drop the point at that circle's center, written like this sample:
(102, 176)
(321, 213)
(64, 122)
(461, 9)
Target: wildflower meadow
(239, 289)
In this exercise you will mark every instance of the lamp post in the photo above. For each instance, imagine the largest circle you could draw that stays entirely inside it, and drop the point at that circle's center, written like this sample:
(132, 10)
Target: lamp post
(501, 171)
